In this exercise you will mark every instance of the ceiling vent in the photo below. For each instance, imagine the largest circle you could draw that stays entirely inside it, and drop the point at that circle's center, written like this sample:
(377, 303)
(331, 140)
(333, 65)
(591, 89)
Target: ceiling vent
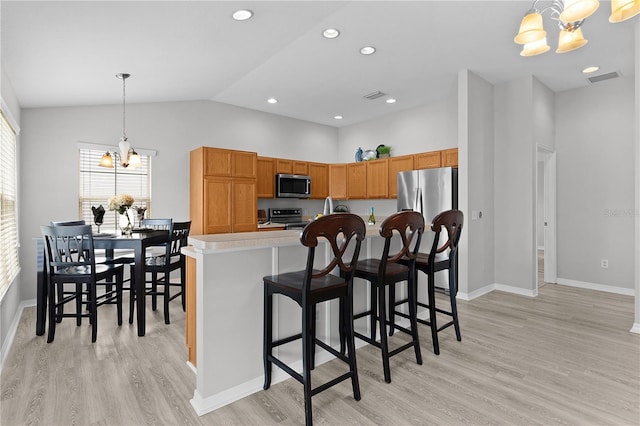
(602, 77)
(374, 95)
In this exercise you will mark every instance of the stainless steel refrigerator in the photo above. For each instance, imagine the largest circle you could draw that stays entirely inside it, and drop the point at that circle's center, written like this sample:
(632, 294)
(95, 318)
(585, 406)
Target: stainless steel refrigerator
(429, 191)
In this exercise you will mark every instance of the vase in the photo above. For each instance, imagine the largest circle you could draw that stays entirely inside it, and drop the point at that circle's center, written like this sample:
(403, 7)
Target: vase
(126, 221)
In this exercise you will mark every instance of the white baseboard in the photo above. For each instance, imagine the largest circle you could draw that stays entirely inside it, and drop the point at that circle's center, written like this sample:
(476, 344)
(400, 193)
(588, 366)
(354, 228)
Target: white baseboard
(476, 293)
(495, 286)
(599, 287)
(8, 341)
(635, 328)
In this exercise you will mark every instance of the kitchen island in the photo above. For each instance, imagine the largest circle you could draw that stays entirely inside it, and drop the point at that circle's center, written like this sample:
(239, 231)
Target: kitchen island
(225, 309)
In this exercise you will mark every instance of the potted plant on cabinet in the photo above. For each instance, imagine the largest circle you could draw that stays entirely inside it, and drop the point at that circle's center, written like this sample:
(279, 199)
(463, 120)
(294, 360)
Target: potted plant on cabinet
(384, 151)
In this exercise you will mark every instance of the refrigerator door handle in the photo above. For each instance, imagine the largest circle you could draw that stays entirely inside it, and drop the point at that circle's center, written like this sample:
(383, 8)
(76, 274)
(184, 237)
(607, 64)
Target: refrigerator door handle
(418, 201)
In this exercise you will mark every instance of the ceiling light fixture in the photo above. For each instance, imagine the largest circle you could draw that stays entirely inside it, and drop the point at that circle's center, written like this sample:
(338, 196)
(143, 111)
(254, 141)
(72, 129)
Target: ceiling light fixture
(391, 101)
(272, 100)
(337, 117)
(589, 70)
(330, 33)
(570, 15)
(621, 10)
(127, 155)
(242, 14)
(368, 50)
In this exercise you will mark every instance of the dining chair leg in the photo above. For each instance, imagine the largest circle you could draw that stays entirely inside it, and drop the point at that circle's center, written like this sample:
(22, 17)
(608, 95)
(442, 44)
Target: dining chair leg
(132, 295)
(52, 314)
(167, 296)
(267, 338)
(78, 304)
(154, 290)
(384, 345)
(119, 281)
(93, 313)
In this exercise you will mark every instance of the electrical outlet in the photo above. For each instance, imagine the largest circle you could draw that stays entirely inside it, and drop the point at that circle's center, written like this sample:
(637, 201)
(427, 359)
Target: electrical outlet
(604, 263)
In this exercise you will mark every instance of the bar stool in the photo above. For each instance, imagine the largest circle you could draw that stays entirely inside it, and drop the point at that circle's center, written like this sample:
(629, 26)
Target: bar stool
(387, 271)
(310, 287)
(438, 260)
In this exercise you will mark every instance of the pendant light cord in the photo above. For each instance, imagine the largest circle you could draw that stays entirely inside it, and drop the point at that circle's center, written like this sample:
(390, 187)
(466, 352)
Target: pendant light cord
(124, 122)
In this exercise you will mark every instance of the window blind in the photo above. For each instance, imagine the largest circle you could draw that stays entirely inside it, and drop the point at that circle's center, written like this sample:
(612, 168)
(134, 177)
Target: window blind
(98, 184)
(9, 263)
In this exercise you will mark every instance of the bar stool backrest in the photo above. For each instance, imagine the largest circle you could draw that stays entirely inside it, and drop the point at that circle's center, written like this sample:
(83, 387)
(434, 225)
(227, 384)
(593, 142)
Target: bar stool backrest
(409, 225)
(452, 221)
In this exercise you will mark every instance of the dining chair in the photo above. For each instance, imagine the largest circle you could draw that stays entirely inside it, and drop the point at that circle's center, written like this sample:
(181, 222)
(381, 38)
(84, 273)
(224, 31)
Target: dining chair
(70, 259)
(160, 262)
(407, 226)
(442, 256)
(311, 286)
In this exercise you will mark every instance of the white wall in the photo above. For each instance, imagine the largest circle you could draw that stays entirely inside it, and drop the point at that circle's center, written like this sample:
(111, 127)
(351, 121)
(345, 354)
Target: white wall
(594, 140)
(426, 128)
(476, 186)
(50, 177)
(10, 302)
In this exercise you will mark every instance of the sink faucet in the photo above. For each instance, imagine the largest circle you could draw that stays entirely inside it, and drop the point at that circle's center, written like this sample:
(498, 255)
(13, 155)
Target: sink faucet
(328, 206)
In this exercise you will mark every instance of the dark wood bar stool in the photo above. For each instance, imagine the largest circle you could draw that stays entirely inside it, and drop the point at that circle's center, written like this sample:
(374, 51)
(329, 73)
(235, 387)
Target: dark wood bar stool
(438, 259)
(310, 287)
(387, 271)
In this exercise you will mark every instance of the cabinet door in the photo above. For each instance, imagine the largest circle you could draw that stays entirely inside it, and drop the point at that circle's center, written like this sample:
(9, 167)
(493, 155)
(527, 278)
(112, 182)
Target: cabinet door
(319, 180)
(427, 160)
(284, 166)
(218, 162)
(337, 181)
(357, 180)
(396, 165)
(265, 185)
(377, 178)
(300, 168)
(217, 205)
(449, 157)
(244, 212)
(244, 164)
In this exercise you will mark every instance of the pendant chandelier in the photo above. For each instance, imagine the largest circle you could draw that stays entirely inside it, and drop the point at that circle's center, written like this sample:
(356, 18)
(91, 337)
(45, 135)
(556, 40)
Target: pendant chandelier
(127, 155)
(570, 15)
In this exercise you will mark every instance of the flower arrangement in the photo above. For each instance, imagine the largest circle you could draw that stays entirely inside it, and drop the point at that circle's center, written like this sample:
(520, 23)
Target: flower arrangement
(120, 202)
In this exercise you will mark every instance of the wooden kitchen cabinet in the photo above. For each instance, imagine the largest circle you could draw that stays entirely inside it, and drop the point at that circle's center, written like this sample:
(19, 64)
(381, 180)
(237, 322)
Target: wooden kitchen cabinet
(300, 168)
(319, 180)
(337, 181)
(222, 191)
(284, 166)
(266, 180)
(449, 157)
(357, 180)
(396, 165)
(427, 160)
(377, 178)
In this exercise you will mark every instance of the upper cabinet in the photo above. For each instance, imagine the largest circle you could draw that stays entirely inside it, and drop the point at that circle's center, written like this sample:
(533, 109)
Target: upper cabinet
(300, 168)
(266, 177)
(357, 180)
(337, 181)
(319, 179)
(377, 178)
(449, 157)
(284, 166)
(396, 165)
(427, 160)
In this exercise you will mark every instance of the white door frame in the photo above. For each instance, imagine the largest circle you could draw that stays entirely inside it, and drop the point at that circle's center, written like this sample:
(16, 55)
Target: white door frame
(548, 157)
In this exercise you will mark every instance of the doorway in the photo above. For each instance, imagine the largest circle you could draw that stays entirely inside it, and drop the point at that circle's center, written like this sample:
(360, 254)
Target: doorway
(545, 240)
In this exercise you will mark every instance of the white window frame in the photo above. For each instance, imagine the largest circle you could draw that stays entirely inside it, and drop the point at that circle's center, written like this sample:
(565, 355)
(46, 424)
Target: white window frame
(136, 182)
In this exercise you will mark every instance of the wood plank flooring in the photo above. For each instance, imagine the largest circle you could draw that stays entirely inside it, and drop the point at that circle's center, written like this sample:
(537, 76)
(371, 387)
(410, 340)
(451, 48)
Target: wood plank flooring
(565, 357)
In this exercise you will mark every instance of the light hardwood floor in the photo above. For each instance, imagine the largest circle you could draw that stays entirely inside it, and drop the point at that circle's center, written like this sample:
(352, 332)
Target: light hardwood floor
(564, 357)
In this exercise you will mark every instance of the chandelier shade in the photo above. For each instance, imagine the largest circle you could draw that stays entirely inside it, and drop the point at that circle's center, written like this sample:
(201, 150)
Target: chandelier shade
(621, 10)
(531, 29)
(577, 10)
(570, 40)
(535, 48)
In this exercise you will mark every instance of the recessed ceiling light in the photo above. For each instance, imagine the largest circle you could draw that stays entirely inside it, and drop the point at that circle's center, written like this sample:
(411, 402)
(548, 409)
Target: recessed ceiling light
(330, 33)
(337, 117)
(272, 100)
(391, 101)
(242, 15)
(588, 70)
(368, 50)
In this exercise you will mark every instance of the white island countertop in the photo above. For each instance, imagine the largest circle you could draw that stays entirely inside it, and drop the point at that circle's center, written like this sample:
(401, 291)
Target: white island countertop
(212, 243)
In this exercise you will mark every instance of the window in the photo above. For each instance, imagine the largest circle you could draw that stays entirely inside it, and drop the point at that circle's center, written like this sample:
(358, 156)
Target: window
(98, 184)
(9, 263)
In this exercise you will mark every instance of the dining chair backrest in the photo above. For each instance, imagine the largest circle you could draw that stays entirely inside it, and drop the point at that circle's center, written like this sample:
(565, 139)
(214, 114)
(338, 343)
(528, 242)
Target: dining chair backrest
(68, 223)
(338, 230)
(69, 249)
(161, 225)
(179, 235)
(409, 226)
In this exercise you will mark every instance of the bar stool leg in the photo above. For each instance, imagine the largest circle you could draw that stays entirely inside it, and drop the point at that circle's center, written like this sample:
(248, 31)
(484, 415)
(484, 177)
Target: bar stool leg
(268, 338)
(392, 308)
(411, 288)
(307, 342)
(453, 286)
(347, 330)
(432, 313)
(382, 316)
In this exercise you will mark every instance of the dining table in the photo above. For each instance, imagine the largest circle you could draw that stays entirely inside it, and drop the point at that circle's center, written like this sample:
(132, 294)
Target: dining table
(138, 242)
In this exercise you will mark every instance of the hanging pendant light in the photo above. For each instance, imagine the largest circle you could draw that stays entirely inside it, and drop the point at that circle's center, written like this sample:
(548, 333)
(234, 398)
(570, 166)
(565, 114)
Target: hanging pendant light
(570, 40)
(531, 29)
(621, 10)
(577, 10)
(127, 155)
(535, 48)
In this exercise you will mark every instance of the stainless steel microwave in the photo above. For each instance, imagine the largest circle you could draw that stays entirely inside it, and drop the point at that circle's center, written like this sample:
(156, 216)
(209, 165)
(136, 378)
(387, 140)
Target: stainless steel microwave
(293, 186)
